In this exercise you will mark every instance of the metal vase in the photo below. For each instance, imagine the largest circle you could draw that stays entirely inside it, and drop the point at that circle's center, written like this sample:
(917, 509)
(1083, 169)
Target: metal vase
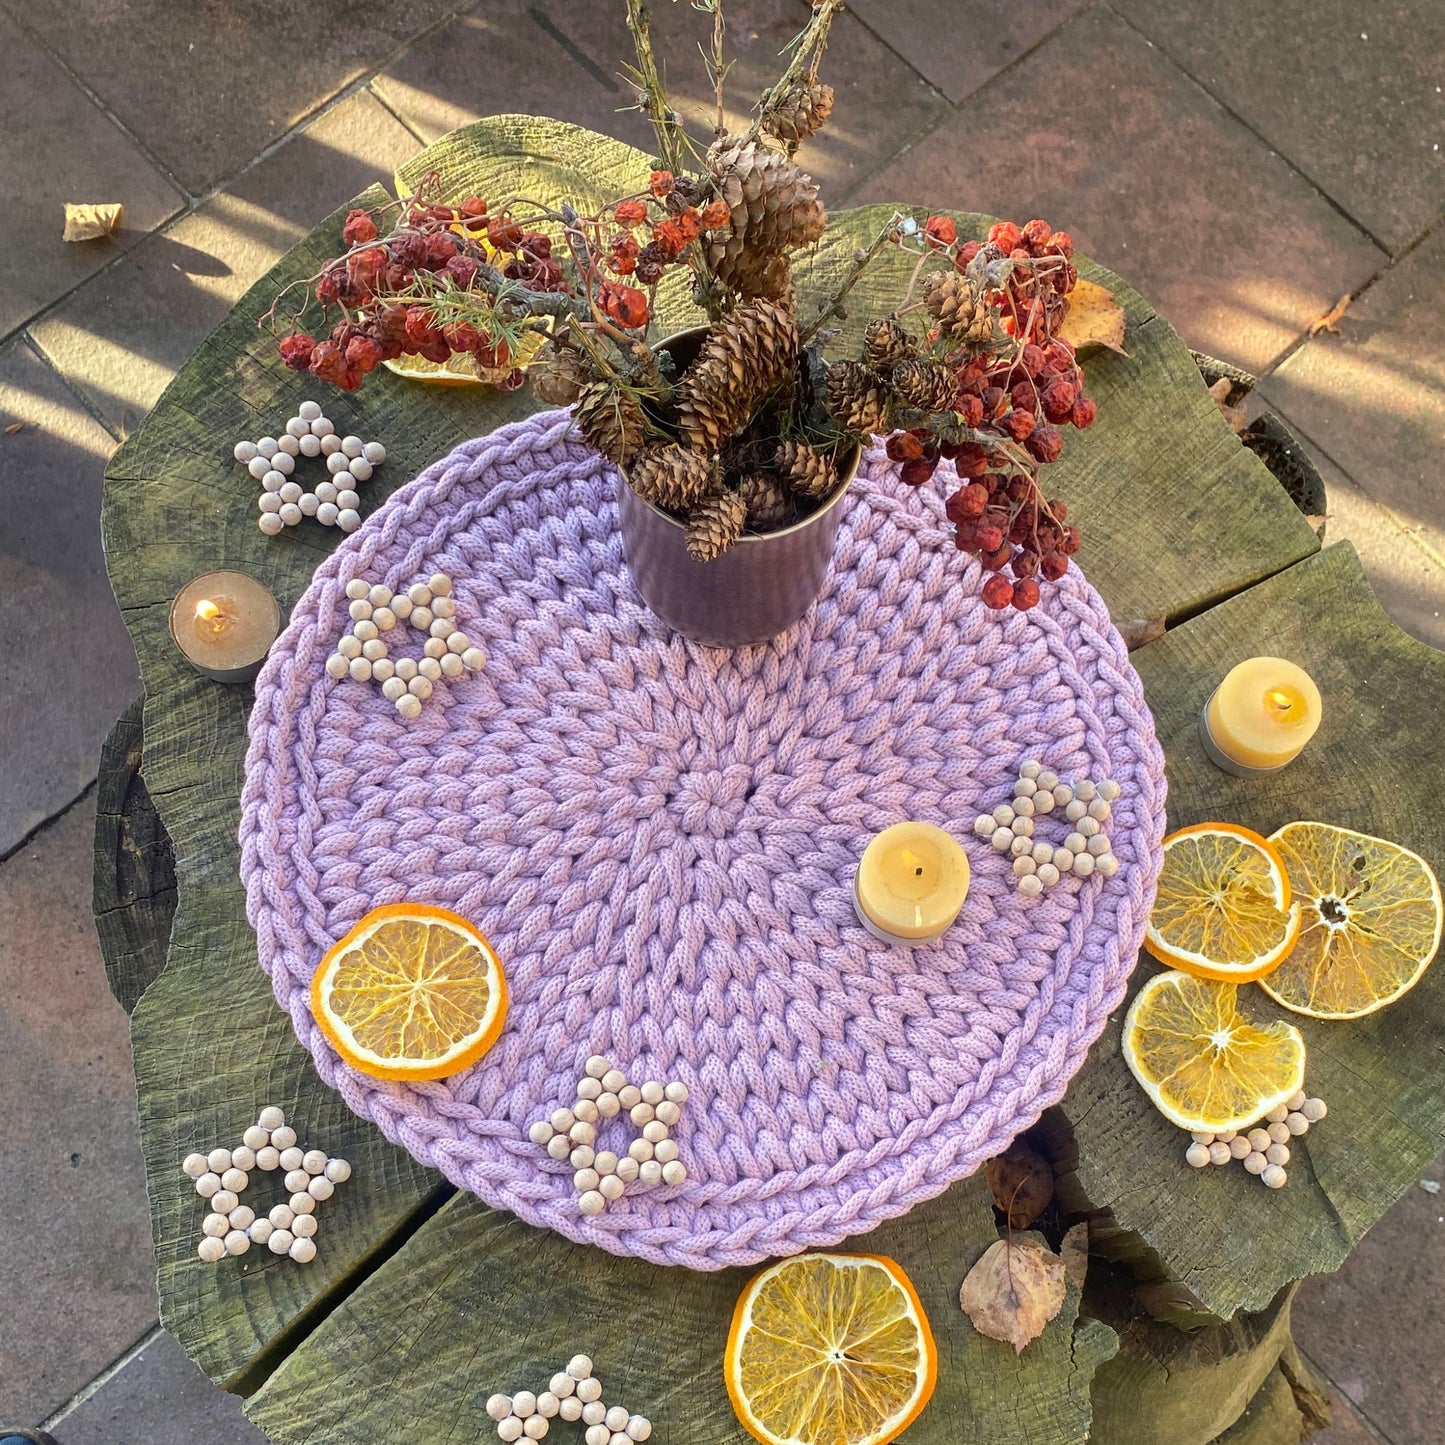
(758, 588)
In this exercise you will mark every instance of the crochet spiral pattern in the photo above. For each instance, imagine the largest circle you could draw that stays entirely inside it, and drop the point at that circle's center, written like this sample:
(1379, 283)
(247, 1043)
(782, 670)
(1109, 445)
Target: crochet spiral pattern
(660, 841)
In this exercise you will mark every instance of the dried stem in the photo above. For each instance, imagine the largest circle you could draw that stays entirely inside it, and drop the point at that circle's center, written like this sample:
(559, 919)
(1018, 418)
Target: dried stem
(860, 264)
(802, 67)
(666, 123)
(719, 68)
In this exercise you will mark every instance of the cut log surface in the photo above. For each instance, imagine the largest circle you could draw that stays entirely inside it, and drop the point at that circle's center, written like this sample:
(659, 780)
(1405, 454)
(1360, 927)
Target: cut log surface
(420, 1303)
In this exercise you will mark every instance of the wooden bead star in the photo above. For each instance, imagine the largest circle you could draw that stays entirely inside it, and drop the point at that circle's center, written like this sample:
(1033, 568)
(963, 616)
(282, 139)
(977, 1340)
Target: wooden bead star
(603, 1093)
(1085, 806)
(223, 1175)
(362, 654)
(333, 502)
(572, 1394)
(1263, 1150)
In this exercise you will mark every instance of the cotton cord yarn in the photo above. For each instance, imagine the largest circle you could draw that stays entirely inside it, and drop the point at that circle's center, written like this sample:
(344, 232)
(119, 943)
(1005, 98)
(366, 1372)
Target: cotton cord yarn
(660, 840)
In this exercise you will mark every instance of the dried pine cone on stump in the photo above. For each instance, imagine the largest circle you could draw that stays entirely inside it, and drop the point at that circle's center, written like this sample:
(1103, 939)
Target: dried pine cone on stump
(768, 506)
(610, 420)
(774, 209)
(927, 385)
(886, 343)
(804, 111)
(559, 375)
(809, 472)
(672, 477)
(958, 306)
(746, 355)
(857, 397)
(714, 525)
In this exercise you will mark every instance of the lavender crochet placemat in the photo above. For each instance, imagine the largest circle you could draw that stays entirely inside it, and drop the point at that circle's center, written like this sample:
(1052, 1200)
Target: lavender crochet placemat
(660, 841)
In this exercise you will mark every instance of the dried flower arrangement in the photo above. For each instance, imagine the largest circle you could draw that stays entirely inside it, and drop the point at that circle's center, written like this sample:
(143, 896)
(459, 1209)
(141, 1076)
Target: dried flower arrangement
(748, 434)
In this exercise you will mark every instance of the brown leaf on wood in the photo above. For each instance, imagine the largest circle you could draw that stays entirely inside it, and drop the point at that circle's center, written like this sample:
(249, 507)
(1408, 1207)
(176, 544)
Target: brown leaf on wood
(91, 222)
(1234, 415)
(1094, 319)
(15, 426)
(1074, 1250)
(1014, 1290)
(1136, 631)
(1328, 322)
(1022, 1182)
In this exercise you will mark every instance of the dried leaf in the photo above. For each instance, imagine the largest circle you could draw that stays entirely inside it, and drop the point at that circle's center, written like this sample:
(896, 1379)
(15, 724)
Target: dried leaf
(91, 222)
(1094, 319)
(14, 427)
(1014, 1290)
(1022, 1181)
(1074, 1250)
(1136, 631)
(1328, 321)
(1234, 415)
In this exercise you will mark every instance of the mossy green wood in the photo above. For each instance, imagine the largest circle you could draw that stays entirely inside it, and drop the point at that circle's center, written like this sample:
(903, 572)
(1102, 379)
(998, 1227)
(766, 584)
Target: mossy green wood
(211, 1047)
(1216, 1234)
(133, 891)
(477, 1302)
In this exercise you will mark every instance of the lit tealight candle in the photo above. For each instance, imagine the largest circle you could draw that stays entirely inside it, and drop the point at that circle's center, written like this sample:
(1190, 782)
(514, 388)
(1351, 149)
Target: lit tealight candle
(911, 883)
(224, 623)
(1260, 716)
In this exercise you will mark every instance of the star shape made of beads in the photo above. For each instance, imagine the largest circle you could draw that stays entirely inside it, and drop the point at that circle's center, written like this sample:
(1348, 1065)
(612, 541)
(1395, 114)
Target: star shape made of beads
(574, 1393)
(363, 654)
(284, 502)
(223, 1175)
(604, 1093)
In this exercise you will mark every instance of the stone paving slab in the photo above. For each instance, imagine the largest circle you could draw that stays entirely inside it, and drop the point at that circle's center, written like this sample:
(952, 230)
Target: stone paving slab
(122, 336)
(208, 87)
(158, 1398)
(1103, 136)
(77, 1277)
(960, 45)
(1350, 93)
(573, 56)
(59, 146)
(1375, 1327)
(66, 664)
(1373, 396)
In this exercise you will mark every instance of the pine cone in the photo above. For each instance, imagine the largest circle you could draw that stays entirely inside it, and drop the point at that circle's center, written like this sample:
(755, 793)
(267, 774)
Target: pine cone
(886, 343)
(714, 525)
(775, 208)
(610, 421)
(804, 111)
(769, 506)
(857, 397)
(558, 375)
(746, 355)
(928, 385)
(672, 477)
(962, 313)
(806, 470)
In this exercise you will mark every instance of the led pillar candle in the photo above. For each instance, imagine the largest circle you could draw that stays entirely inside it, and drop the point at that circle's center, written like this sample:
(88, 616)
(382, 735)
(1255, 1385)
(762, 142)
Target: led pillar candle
(1261, 716)
(911, 883)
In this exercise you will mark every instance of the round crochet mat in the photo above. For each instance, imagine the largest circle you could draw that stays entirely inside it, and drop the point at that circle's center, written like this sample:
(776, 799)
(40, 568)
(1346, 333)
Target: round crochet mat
(660, 840)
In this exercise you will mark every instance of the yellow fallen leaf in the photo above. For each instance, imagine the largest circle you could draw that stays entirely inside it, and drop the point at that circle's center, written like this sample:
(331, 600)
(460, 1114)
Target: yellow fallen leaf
(1328, 321)
(1014, 1290)
(91, 223)
(1094, 319)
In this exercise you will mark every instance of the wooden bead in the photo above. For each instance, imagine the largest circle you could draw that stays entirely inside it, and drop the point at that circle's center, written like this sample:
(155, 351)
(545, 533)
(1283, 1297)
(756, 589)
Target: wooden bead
(640, 1150)
(1025, 788)
(281, 1216)
(596, 1435)
(261, 1231)
(223, 1201)
(1277, 1154)
(1063, 860)
(1202, 1136)
(241, 1217)
(559, 1147)
(586, 1179)
(1297, 1124)
(1075, 811)
(215, 1226)
(1106, 864)
(1042, 853)
(301, 1202)
(1022, 828)
(1024, 866)
(639, 1427)
(665, 1151)
(1099, 810)
(1314, 1110)
(1109, 790)
(590, 1086)
(629, 1096)
(1002, 839)
(1043, 802)
(592, 1203)
(256, 1137)
(304, 1226)
(582, 1133)
(1274, 1176)
(562, 1385)
(1279, 1133)
(611, 1187)
(237, 1242)
(296, 1181)
(586, 1110)
(211, 1249)
(1047, 875)
(280, 1241)
(235, 1180)
(654, 1131)
(474, 659)
(673, 1172)
(321, 1187)
(1085, 791)
(627, 1169)
(338, 1171)
(589, 1391)
(1239, 1147)
(194, 1165)
(218, 1161)
(547, 1404)
(650, 1172)
(614, 1081)
(1031, 887)
(291, 1158)
(1063, 795)
(1255, 1162)
(1197, 1155)
(268, 1158)
(303, 1251)
(284, 1137)
(1259, 1139)
(509, 1429)
(983, 825)
(669, 1112)
(208, 1185)
(605, 1162)
(615, 1418)
(608, 1105)
(582, 1157)
(1098, 845)
(1076, 842)
(562, 1120)
(1089, 827)
(579, 1367)
(1030, 768)
(1047, 781)
(1021, 845)
(640, 1114)
(1003, 815)
(676, 1093)
(1083, 865)
(1023, 808)
(1219, 1153)
(498, 1407)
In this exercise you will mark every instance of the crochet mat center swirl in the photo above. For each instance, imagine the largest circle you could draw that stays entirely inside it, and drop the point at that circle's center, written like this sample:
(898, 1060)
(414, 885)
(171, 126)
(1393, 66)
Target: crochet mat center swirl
(660, 840)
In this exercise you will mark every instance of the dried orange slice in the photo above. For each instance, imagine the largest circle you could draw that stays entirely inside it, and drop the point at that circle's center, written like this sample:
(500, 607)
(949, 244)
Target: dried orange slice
(1201, 1061)
(1372, 920)
(830, 1349)
(412, 992)
(1223, 908)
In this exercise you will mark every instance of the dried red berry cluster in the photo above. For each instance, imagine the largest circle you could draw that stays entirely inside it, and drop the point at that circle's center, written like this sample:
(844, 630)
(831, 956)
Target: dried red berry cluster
(670, 232)
(1025, 395)
(443, 241)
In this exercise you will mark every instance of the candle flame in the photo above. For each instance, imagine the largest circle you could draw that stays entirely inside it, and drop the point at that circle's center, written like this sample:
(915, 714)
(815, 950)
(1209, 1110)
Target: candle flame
(206, 610)
(1279, 701)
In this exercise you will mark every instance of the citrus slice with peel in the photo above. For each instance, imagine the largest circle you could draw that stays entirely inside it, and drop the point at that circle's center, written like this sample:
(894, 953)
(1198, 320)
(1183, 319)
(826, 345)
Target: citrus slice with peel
(830, 1349)
(1372, 919)
(1201, 1061)
(1223, 908)
(412, 992)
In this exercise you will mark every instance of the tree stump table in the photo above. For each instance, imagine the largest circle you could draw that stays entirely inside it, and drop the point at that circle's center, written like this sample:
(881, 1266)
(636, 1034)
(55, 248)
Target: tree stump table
(425, 1300)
